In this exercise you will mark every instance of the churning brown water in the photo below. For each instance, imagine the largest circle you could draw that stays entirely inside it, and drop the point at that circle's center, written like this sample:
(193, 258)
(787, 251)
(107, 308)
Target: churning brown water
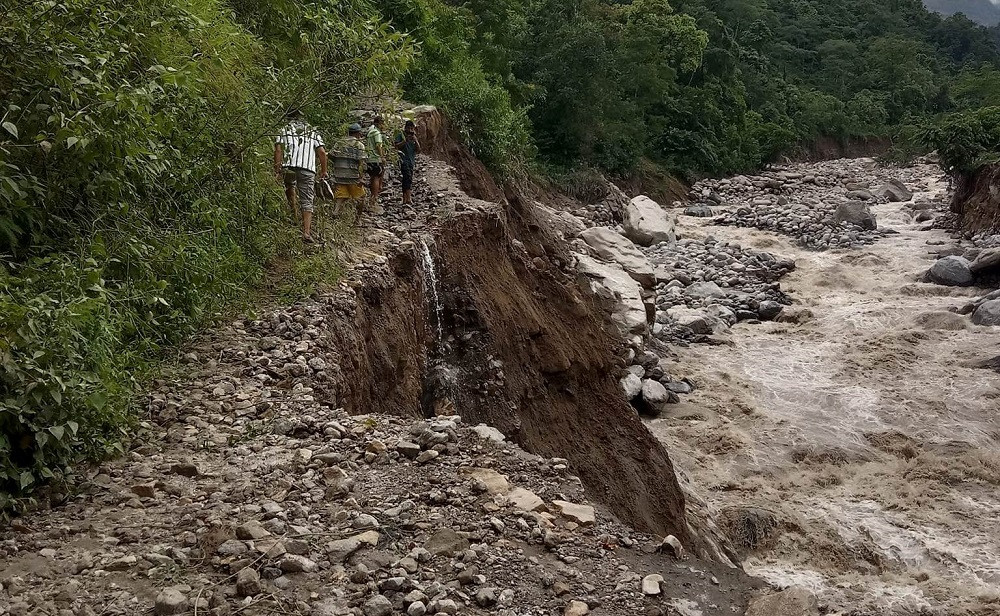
(857, 453)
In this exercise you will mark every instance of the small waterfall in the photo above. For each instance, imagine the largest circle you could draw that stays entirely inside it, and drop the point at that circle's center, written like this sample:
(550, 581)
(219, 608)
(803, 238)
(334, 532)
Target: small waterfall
(432, 291)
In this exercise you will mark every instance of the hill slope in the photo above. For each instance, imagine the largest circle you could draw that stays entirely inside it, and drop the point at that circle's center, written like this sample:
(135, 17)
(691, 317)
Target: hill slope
(980, 11)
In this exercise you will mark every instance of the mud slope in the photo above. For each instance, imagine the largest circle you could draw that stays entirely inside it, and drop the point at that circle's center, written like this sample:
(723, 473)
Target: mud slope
(523, 348)
(557, 394)
(521, 326)
(977, 201)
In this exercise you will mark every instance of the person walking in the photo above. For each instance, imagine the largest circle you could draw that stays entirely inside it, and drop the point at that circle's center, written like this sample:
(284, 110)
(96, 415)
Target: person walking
(376, 161)
(349, 158)
(297, 152)
(409, 146)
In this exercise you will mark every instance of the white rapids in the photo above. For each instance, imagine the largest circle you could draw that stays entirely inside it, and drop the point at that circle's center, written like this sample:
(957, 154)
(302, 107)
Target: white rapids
(866, 431)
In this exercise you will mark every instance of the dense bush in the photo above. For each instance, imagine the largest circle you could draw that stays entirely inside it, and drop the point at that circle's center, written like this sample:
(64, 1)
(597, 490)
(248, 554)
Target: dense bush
(449, 72)
(699, 86)
(136, 199)
(965, 141)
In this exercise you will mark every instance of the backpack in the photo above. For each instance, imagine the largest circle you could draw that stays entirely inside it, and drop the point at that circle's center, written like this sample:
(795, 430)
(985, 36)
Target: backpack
(347, 159)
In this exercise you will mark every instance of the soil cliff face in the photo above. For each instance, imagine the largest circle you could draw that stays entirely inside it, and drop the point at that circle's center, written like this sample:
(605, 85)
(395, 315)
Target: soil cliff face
(517, 312)
(522, 347)
(977, 201)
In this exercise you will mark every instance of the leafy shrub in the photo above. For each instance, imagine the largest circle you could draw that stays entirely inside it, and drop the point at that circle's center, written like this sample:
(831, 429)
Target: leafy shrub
(965, 141)
(136, 200)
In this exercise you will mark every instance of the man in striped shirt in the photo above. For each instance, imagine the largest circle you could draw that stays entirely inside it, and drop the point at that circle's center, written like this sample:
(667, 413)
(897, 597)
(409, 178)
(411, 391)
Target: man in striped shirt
(296, 152)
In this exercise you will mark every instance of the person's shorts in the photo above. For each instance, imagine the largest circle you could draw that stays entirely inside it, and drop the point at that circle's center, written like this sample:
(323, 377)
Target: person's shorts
(304, 182)
(349, 191)
(406, 173)
(375, 170)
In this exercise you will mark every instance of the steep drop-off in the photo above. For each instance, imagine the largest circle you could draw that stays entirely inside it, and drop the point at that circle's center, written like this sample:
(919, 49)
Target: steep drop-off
(524, 349)
(977, 200)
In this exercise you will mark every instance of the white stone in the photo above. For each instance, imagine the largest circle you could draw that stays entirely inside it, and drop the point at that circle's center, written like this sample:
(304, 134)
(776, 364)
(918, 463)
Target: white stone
(581, 514)
(624, 295)
(651, 584)
(609, 245)
(646, 223)
(526, 500)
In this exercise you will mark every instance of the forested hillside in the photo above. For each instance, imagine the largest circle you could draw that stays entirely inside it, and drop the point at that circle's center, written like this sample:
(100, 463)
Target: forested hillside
(136, 198)
(699, 86)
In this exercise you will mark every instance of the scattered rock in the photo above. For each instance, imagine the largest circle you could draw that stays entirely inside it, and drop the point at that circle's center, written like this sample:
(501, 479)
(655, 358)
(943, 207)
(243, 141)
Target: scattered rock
(576, 608)
(446, 542)
(170, 601)
(378, 606)
(293, 563)
(248, 583)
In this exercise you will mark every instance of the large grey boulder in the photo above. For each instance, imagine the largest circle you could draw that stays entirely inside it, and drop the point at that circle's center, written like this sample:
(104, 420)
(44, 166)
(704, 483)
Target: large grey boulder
(646, 223)
(856, 213)
(895, 191)
(951, 271)
(562, 222)
(609, 245)
(988, 313)
(621, 292)
(986, 260)
(631, 385)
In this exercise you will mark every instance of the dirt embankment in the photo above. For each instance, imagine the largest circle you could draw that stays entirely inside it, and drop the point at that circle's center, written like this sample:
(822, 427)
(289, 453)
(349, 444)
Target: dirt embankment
(523, 349)
(977, 201)
(828, 148)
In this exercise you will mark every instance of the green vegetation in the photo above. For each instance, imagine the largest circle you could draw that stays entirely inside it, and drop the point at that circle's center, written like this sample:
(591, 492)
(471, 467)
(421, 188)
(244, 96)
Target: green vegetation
(966, 141)
(136, 199)
(697, 86)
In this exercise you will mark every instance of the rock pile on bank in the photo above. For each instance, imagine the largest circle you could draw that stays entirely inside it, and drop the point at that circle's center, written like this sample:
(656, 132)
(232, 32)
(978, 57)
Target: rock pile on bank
(726, 279)
(822, 206)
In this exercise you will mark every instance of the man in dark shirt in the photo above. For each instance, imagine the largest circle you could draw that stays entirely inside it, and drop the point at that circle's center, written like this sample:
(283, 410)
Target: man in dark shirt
(408, 145)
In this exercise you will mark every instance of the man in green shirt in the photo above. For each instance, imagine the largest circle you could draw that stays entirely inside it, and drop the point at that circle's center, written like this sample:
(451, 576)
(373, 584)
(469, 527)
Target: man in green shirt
(376, 161)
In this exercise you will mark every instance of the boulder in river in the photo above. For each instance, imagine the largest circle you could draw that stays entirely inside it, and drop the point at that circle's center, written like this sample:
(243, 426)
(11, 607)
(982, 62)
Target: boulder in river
(646, 223)
(895, 191)
(985, 261)
(856, 213)
(951, 271)
(988, 313)
(699, 211)
(609, 245)
(768, 310)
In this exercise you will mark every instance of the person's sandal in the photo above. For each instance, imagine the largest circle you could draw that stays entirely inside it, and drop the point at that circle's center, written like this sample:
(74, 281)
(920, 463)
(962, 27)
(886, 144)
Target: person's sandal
(307, 239)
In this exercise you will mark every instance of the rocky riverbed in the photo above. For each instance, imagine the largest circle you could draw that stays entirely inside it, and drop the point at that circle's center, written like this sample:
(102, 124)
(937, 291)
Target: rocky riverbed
(852, 451)
(828, 402)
